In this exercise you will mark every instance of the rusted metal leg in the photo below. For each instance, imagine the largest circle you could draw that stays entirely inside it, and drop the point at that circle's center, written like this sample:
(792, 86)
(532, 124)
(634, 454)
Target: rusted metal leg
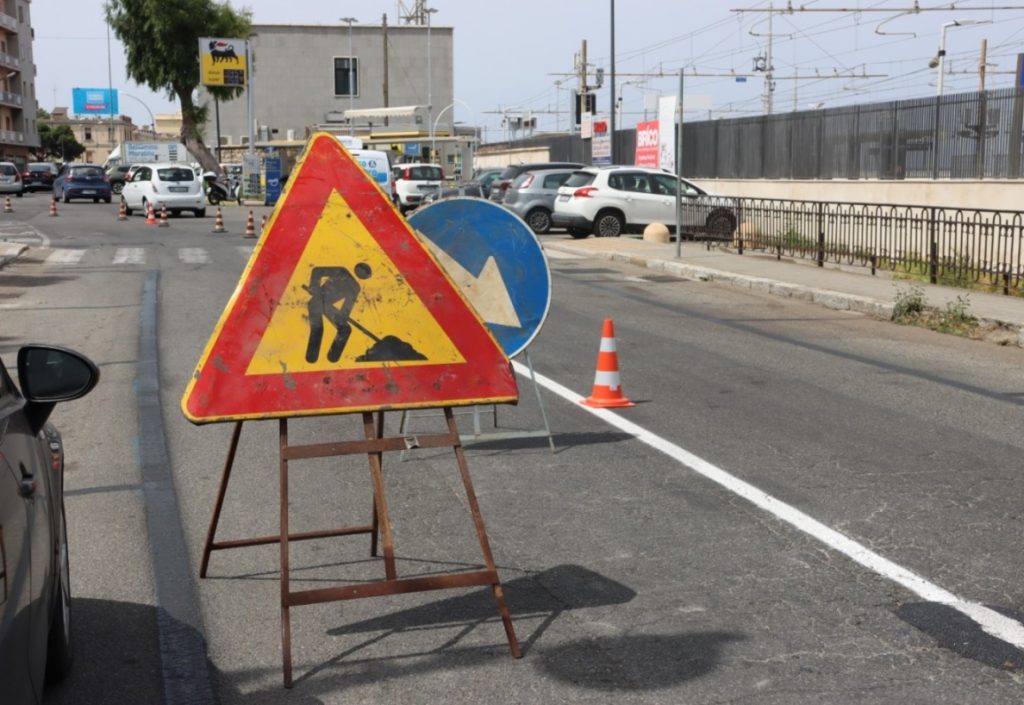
(211, 532)
(379, 500)
(375, 523)
(286, 627)
(481, 533)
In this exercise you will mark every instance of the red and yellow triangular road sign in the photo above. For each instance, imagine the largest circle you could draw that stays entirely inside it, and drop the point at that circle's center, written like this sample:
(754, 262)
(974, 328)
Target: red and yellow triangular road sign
(343, 309)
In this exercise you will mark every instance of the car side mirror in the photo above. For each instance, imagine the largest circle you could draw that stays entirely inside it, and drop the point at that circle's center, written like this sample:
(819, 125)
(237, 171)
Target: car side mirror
(691, 192)
(49, 374)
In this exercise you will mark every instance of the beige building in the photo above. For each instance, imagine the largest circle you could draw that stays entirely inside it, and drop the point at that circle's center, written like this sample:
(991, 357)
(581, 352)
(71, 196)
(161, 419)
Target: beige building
(99, 135)
(18, 131)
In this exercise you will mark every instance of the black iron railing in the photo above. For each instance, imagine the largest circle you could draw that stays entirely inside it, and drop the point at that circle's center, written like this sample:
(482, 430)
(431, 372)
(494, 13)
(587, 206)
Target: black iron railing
(956, 247)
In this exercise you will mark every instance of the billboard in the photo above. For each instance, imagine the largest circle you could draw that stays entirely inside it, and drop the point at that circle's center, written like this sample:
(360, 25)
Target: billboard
(90, 101)
(667, 132)
(646, 144)
(222, 61)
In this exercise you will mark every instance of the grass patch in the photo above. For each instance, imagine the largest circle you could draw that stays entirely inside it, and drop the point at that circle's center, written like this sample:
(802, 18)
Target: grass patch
(956, 319)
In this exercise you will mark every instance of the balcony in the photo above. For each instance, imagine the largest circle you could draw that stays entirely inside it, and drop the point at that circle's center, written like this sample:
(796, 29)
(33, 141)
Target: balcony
(11, 137)
(11, 99)
(7, 22)
(11, 62)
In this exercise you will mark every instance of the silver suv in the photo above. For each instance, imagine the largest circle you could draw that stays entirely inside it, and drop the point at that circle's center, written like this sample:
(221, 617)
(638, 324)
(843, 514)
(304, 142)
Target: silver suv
(531, 196)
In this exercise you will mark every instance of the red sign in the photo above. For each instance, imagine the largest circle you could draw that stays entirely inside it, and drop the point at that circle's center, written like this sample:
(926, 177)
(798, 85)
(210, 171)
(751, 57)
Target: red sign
(600, 127)
(646, 144)
(343, 309)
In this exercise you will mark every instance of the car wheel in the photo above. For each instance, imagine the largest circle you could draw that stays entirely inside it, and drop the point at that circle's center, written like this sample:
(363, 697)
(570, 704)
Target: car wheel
(175, 213)
(20, 194)
(107, 200)
(95, 200)
(127, 210)
(579, 233)
(609, 224)
(58, 646)
(67, 199)
(539, 220)
(721, 223)
(200, 212)
(117, 187)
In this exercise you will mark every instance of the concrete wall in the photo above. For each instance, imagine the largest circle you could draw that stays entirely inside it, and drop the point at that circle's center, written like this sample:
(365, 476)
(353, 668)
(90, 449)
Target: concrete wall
(997, 195)
(293, 76)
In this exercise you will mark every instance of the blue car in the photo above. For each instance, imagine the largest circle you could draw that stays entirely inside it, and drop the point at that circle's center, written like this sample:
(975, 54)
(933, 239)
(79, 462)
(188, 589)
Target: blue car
(82, 181)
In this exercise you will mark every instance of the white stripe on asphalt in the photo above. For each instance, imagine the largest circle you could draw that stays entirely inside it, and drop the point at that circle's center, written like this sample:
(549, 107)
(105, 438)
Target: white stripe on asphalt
(556, 254)
(991, 622)
(193, 255)
(65, 257)
(245, 250)
(130, 255)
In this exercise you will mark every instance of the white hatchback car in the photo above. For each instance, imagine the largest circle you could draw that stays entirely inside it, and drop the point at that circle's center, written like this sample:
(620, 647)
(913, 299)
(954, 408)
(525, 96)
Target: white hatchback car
(610, 201)
(413, 182)
(175, 186)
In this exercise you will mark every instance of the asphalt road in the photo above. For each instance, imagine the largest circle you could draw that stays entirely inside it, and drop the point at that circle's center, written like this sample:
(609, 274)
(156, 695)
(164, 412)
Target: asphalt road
(634, 572)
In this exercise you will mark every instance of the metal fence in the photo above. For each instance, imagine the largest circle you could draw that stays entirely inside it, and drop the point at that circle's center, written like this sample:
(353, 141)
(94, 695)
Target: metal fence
(956, 247)
(960, 136)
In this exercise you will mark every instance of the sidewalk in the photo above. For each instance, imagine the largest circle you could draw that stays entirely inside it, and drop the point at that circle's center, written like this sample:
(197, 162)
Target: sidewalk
(849, 288)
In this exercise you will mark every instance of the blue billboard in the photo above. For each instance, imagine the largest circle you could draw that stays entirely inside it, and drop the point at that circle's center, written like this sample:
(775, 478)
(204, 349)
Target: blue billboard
(92, 101)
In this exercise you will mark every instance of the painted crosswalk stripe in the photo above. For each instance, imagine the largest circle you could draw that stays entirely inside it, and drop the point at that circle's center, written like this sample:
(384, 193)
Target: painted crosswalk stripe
(193, 255)
(557, 254)
(130, 255)
(65, 257)
(245, 250)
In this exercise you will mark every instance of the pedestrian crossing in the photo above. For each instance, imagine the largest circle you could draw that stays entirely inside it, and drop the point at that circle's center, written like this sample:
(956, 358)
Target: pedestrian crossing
(136, 256)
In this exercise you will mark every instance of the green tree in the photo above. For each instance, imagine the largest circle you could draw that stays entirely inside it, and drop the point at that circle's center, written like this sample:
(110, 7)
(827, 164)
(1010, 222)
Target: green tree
(161, 40)
(57, 142)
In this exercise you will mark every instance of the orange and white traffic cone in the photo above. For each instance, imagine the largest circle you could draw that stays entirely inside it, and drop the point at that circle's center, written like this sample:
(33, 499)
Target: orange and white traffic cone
(53, 206)
(122, 210)
(150, 215)
(7, 205)
(607, 391)
(250, 226)
(218, 223)
(263, 224)
(163, 216)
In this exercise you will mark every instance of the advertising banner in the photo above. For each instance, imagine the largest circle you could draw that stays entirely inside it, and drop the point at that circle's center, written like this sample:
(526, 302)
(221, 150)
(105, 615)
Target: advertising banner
(222, 61)
(272, 165)
(601, 150)
(91, 101)
(647, 145)
(667, 132)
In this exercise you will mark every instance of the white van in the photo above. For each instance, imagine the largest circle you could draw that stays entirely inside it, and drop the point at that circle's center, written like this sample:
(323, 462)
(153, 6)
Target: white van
(377, 164)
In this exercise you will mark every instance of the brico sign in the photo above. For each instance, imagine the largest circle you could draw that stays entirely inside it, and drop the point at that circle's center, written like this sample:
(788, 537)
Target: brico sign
(647, 138)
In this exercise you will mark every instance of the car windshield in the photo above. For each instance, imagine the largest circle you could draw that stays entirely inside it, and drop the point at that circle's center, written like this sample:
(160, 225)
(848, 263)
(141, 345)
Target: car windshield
(580, 178)
(425, 173)
(86, 172)
(8, 169)
(39, 167)
(175, 174)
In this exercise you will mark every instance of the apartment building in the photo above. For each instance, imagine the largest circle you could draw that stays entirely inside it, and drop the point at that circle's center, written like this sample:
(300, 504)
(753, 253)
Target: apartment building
(18, 132)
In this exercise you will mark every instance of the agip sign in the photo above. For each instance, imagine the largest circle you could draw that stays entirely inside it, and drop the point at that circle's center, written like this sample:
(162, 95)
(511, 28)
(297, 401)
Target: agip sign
(222, 62)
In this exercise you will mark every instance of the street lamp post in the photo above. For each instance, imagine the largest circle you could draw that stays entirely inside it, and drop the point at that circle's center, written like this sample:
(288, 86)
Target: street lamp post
(351, 82)
(940, 58)
(430, 94)
(433, 129)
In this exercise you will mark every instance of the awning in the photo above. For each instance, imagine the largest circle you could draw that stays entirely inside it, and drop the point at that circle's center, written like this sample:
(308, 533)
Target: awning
(404, 111)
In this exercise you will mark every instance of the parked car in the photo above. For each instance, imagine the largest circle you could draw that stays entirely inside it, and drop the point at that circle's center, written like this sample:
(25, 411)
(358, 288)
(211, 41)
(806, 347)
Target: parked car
(413, 181)
(467, 190)
(610, 201)
(175, 186)
(485, 178)
(35, 587)
(532, 194)
(39, 176)
(117, 175)
(77, 180)
(506, 177)
(10, 179)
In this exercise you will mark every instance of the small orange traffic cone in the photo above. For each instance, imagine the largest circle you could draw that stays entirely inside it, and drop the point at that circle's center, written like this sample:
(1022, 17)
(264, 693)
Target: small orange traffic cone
(250, 226)
(150, 215)
(163, 216)
(53, 206)
(218, 223)
(263, 224)
(122, 210)
(7, 205)
(607, 391)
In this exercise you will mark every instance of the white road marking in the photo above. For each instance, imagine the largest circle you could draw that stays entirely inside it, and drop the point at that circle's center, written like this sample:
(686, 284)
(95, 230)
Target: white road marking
(557, 254)
(194, 255)
(991, 622)
(130, 255)
(64, 257)
(245, 250)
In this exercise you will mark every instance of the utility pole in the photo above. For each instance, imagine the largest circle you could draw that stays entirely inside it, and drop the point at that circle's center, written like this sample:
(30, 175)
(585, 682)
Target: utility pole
(769, 85)
(384, 34)
(581, 96)
(981, 65)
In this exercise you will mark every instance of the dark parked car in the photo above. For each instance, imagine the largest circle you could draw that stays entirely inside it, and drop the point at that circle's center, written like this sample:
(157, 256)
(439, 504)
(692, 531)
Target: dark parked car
(467, 190)
(39, 176)
(117, 175)
(484, 178)
(501, 184)
(35, 588)
(82, 181)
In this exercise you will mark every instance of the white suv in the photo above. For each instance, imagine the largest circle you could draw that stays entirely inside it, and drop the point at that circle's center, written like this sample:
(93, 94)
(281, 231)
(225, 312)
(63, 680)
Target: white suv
(413, 182)
(610, 201)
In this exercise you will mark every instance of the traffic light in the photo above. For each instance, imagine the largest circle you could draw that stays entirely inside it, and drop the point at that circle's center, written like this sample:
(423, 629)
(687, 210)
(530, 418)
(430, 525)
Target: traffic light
(588, 104)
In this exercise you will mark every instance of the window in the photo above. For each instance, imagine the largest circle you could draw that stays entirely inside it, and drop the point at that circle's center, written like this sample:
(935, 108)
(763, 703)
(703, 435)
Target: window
(88, 134)
(553, 181)
(341, 76)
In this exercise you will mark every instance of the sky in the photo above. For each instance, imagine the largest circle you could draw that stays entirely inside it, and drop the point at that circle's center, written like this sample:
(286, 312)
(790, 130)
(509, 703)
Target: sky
(516, 58)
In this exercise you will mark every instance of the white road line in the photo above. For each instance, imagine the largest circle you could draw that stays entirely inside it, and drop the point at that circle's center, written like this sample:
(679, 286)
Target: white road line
(130, 255)
(64, 257)
(245, 250)
(991, 622)
(193, 255)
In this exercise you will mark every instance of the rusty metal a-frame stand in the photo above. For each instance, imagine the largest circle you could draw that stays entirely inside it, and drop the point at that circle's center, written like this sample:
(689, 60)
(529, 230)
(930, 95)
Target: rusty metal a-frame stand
(374, 446)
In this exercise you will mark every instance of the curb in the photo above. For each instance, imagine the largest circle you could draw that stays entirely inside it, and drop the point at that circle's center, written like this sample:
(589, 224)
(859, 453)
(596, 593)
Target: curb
(10, 252)
(836, 300)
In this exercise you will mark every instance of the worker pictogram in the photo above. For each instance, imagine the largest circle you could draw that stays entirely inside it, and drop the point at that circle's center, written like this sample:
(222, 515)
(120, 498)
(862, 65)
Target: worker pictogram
(342, 308)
